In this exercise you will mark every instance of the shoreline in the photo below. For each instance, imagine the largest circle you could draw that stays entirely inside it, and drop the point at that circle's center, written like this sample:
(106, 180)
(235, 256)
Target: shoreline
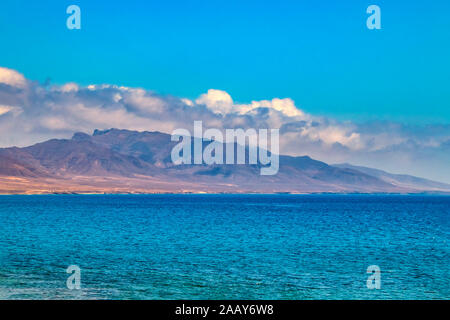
(431, 193)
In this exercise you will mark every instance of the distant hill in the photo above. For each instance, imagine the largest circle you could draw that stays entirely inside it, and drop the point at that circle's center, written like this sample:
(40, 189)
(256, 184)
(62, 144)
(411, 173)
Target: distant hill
(124, 161)
(401, 180)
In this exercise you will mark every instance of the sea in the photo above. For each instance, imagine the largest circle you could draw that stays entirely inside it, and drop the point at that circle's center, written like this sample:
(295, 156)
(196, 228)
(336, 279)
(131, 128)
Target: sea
(218, 246)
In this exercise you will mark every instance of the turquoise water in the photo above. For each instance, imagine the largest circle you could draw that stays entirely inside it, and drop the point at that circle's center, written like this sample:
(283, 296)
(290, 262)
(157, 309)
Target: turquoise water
(224, 246)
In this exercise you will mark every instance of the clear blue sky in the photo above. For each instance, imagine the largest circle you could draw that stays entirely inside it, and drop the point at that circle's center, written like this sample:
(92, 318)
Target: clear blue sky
(318, 53)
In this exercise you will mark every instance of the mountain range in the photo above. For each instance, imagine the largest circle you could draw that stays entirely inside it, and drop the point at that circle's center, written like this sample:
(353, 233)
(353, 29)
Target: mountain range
(124, 161)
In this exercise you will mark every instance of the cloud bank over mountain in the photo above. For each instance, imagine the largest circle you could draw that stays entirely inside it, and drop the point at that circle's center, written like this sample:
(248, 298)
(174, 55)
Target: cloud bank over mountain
(31, 112)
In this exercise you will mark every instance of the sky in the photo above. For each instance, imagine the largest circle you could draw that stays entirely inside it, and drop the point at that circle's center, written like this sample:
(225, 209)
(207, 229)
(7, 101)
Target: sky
(318, 53)
(341, 92)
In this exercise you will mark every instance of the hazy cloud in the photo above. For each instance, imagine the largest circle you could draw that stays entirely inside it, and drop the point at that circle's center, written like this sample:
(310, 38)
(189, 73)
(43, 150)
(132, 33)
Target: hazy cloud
(30, 113)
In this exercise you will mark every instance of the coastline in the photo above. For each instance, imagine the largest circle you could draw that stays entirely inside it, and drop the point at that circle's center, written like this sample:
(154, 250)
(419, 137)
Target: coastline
(232, 193)
(98, 185)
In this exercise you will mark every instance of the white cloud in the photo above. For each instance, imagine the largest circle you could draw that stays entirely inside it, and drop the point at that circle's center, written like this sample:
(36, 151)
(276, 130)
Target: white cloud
(187, 102)
(143, 100)
(217, 100)
(12, 78)
(285, 106)
(335, 134)
(10, 109)
(5, 109)
(68, 87)
(220, 102)
(63, 110)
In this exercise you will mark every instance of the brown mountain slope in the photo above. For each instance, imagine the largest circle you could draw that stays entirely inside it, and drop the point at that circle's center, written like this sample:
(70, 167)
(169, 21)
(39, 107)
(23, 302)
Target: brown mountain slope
(129, 161)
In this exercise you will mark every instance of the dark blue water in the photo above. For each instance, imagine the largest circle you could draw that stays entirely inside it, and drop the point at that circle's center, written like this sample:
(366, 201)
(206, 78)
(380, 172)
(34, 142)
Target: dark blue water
(224, 246)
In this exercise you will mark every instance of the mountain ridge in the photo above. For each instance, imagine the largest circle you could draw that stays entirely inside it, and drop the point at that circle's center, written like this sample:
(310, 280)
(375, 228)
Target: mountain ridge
(125, 161)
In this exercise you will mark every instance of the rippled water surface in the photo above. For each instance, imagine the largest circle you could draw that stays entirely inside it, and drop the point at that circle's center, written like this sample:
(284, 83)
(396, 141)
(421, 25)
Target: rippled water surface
(224, 246)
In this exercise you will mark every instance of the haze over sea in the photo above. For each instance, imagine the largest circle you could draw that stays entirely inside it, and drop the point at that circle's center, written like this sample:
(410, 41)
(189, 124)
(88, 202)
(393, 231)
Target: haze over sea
(225, 246)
